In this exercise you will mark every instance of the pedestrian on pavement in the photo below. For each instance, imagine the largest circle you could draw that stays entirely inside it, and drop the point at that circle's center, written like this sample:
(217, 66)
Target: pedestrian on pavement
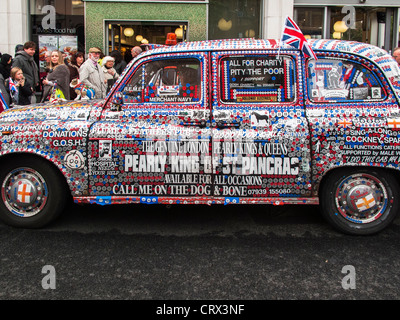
(101, 56)
(396, 54)
(24, 60)
(58, 76)
(120, 63)
(91, 75)
(18, 48)
(47, 56)
(136, 51)
(5, 65)
(77, 60)
(110, 74)
(4, 92)
(18, 88)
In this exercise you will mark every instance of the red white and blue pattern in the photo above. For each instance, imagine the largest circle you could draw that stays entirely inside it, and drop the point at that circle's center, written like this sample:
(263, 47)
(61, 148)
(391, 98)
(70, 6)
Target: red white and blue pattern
(13, 90)
(3, 103)
(293, 36)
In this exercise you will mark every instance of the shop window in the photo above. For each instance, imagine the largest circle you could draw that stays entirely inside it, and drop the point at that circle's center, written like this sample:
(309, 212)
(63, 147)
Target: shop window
(332, 80)
(234, 19)
(257, 79)
(56, 25)
(124, 35)
(310, 21)
(170, 81)
(359, 29)
(62, 7)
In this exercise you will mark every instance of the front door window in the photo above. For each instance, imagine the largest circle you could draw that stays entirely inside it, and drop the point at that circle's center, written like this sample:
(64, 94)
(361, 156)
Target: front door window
(169, 81)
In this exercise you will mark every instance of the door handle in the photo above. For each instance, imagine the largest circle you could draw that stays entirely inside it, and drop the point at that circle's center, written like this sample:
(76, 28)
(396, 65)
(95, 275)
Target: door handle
(224, 125)
(200, 124)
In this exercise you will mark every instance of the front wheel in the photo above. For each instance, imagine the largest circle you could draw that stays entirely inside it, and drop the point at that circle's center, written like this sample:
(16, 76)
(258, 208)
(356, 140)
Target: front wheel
(360, 201)
(33, 192)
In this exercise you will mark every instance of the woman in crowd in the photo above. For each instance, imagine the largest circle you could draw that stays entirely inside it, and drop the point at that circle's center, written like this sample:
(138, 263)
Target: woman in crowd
(76, 61)
(120, 63)
(5, 65)
(110, 75)
(58, 75)
(19, 90)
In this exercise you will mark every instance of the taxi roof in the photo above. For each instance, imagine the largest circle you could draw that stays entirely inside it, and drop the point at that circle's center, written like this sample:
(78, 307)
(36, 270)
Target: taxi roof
(363, 49)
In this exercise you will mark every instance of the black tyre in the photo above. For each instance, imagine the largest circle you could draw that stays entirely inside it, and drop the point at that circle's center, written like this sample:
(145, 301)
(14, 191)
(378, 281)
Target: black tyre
(360, 201)
(33, 192)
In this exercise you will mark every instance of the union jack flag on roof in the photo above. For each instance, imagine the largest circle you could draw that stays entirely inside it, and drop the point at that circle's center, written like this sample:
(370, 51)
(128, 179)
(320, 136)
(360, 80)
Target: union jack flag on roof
(293, 36)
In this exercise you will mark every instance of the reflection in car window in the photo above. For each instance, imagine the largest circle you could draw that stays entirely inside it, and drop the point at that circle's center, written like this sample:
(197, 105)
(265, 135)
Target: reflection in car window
(173, 81)
(332, 80)
(257, 79)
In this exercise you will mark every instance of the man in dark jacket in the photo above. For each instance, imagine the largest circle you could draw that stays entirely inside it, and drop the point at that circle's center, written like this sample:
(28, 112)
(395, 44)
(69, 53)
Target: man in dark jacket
(24, 60)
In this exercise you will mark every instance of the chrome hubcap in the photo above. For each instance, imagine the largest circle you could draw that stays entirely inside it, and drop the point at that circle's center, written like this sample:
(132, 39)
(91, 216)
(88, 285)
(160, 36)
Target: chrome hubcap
(24, 192)
(361, 198)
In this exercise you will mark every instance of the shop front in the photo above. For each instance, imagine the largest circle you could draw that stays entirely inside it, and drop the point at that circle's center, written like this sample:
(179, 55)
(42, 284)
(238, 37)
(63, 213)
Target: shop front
(121, 25)
(374, 21)
(57, 25)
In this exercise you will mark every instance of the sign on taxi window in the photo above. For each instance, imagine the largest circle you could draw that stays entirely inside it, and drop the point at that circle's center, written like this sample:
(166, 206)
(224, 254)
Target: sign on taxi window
(342, 80)
(257, 79)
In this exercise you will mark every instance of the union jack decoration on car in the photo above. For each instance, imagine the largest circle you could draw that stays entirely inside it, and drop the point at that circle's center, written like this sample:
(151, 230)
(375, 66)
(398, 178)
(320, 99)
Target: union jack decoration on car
(3, 104)
(293, 36)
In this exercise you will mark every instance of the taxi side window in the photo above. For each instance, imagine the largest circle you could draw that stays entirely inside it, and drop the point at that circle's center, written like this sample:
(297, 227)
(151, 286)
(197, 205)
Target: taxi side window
(334, 80)
(257, 79)
(170, 80)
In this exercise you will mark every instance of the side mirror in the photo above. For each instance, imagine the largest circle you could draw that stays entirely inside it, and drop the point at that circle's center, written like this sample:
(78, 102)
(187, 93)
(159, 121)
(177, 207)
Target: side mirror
(116, 101)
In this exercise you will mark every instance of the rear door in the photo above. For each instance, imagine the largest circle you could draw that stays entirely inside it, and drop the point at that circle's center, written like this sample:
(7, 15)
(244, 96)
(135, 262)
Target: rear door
(260, 136)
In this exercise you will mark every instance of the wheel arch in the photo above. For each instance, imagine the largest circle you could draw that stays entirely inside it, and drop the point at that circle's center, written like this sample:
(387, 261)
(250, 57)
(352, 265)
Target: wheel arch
(57, 166)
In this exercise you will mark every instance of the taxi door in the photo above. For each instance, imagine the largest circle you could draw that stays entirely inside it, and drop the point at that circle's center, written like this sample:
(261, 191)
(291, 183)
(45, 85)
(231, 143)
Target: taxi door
(260, 136)
(152, 140)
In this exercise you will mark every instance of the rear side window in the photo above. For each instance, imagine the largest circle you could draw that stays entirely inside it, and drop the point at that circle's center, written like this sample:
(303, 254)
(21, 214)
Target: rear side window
(335, 80)
(257, 79)
(170, 80)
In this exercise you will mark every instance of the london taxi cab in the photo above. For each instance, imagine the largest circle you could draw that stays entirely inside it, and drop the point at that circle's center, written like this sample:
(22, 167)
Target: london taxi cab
(218, 122)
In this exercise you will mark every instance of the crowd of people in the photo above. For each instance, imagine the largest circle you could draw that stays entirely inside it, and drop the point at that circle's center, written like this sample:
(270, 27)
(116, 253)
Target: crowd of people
(19, 76)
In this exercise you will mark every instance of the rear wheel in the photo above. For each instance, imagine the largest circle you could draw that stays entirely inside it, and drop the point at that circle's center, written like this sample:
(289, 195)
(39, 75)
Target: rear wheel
(360, 201)
(33, 192)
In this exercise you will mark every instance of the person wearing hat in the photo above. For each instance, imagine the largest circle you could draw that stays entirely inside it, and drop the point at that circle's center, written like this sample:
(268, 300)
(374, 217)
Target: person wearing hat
(110, 74)
(92, 76)
(5, 65)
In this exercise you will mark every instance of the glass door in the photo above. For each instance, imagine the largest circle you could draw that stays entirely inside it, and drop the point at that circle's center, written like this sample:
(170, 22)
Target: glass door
(124, 35)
